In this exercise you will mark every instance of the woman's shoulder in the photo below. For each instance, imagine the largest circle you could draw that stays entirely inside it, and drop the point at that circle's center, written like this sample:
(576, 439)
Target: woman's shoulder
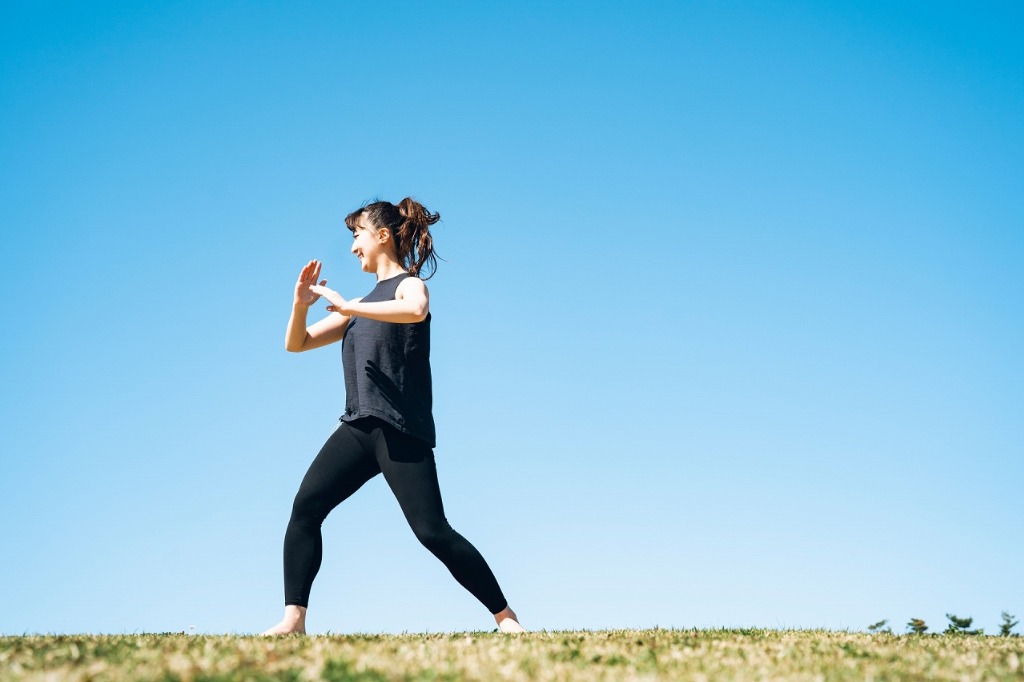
(411, 285)
(411, 280)
(414, 290)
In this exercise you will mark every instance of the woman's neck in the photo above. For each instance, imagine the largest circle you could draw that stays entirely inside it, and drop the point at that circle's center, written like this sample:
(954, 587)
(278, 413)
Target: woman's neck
(388, 269)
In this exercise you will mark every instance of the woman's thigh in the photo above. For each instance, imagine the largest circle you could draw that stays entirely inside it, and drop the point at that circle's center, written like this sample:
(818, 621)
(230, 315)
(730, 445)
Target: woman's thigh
(345, 462)
(410, 470)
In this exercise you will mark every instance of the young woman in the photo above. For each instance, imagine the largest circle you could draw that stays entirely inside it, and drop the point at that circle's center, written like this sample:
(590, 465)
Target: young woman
(388, 426)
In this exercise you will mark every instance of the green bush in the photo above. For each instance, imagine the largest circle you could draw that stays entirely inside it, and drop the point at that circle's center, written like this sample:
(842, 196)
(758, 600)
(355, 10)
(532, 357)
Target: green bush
(917, 626)
(1007, 625)
(959, 626)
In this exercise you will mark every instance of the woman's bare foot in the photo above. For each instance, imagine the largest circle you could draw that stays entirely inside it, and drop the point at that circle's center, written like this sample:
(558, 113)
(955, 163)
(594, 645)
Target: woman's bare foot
(294, 621)
(507, 621)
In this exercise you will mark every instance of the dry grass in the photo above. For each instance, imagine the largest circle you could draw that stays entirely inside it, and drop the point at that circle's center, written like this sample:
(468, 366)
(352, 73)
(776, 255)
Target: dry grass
(656, 654)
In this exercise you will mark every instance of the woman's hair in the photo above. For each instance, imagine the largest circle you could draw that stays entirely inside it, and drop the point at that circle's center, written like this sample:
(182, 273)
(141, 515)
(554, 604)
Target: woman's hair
(409, 223)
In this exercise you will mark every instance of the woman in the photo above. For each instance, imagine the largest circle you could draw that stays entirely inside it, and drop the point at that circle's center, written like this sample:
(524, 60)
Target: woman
(388, 426)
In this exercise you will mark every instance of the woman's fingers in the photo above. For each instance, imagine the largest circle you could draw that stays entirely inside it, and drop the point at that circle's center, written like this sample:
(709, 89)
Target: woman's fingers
(310, 271)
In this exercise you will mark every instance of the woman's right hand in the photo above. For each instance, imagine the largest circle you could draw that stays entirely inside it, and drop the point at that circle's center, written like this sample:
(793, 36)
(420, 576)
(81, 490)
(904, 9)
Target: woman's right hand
(303, 296)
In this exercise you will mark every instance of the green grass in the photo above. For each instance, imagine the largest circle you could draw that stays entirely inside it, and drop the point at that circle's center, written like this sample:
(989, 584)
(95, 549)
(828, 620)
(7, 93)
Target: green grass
(655, 654)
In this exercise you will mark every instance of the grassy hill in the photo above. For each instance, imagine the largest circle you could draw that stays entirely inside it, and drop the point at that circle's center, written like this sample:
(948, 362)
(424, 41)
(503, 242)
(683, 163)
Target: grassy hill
(654, 654)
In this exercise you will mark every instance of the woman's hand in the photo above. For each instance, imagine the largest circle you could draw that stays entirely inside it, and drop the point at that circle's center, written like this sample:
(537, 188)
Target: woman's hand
(304, 295)
(337, 302)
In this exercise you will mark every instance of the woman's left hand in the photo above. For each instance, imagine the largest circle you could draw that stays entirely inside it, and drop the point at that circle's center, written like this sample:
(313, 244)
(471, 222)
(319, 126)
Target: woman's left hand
(337, 302)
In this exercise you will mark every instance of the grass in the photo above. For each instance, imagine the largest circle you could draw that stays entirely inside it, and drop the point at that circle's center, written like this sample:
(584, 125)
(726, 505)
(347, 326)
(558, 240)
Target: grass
(653, 654)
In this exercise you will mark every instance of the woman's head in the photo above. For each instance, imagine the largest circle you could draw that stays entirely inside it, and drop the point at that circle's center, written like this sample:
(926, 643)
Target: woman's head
(403, 230)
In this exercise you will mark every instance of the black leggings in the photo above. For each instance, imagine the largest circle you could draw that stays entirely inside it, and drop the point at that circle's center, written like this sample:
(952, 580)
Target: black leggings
(356, 452)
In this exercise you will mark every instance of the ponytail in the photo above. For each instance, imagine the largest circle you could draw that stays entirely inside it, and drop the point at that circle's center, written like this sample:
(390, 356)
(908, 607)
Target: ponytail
(409, 223)
(414, 239)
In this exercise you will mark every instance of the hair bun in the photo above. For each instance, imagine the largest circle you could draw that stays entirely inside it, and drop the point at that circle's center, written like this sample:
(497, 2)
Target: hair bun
(410, 209)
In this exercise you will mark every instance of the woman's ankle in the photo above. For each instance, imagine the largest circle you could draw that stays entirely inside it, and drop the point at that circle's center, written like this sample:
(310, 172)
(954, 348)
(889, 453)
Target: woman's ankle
(294, 613)
(506, 612)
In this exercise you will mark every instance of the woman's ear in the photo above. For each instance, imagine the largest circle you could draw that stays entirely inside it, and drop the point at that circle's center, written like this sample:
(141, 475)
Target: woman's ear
(383, 235)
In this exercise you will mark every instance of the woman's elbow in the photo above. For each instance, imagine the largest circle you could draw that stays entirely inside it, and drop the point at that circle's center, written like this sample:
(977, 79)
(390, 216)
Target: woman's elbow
(293, 347)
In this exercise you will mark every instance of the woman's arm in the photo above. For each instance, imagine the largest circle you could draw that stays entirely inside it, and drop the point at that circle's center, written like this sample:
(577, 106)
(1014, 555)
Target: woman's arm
(387, 311)
(295, 334)
(297, 337)
(325, 332)
(411, 304)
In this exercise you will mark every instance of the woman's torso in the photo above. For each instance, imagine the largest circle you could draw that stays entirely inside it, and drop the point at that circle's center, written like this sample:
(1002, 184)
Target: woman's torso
(387, 368)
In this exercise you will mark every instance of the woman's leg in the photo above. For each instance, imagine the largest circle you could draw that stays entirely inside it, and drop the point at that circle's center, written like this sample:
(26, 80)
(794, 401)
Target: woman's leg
(410, 470)
(344, 463)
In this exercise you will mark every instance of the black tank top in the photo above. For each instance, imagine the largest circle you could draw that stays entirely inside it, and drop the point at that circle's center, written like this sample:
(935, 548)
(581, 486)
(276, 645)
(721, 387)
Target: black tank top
(387, 368)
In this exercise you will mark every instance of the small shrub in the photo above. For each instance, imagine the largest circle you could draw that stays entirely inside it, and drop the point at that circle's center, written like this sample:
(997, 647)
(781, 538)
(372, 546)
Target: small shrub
(877, 627)
(959, 626)
(1007, 624)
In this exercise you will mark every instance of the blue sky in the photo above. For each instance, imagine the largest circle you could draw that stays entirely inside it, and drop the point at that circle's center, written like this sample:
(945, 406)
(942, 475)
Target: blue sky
(728, 330)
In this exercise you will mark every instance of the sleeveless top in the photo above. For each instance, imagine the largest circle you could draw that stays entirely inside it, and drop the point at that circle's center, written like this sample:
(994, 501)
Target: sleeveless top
(387, 368)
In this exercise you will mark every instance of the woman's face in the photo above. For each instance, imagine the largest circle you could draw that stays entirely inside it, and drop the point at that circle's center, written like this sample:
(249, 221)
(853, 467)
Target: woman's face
(366, 244)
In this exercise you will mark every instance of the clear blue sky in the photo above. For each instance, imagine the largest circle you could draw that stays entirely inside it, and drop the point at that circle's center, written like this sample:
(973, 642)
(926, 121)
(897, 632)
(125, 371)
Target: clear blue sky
(729, 330)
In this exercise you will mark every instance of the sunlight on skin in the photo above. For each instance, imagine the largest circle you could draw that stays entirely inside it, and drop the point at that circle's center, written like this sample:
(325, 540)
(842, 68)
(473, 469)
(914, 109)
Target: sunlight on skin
(294, 621)
(507, 621)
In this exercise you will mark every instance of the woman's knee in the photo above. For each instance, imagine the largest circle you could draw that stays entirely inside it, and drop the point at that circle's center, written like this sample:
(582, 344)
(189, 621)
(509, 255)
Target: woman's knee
(435, 536)
(308, 507)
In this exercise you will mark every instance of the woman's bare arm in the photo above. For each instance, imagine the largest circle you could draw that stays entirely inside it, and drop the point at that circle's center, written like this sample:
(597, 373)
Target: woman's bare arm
(297, 336)
(295, 333)
(387, 311)
(411, 304)
(325, 332)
